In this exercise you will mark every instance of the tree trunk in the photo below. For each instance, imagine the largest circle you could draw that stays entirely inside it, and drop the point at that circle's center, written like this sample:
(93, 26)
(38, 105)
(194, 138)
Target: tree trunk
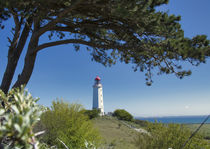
(13, 58)
(30, 59)
(9, 73)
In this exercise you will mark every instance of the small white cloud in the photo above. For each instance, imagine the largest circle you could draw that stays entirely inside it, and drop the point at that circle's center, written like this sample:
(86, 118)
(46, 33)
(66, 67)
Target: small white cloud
(187, 107)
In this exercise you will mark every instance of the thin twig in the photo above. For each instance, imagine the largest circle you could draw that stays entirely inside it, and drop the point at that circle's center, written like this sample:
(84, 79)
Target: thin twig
(39, 133)
(63, 143)
(194, 133)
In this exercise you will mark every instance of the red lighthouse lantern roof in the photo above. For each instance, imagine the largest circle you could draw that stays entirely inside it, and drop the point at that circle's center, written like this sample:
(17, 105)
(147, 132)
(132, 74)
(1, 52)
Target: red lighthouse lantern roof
(97, 78)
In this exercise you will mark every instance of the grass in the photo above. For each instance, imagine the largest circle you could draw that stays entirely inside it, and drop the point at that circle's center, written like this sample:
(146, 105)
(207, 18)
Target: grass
(115, 134)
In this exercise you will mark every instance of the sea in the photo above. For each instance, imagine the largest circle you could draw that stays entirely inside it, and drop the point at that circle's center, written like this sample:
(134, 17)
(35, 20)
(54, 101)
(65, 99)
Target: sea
(177, 119)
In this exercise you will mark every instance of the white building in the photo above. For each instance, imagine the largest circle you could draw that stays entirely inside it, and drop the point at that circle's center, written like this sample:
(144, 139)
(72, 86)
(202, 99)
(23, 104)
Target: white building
(98, 96)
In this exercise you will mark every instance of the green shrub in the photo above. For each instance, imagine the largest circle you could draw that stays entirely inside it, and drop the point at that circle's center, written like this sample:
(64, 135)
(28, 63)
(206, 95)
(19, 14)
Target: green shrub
(18, 117)
(162, 136)
(67, 123)
(92, 113)
(122, 114)
(141, 122)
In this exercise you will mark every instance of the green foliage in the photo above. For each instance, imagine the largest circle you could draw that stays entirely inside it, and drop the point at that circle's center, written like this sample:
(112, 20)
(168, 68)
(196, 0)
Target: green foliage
(153, 41)
(18, 117)
(205, 129)
(141, 122)
(63, 124)
(122, 114)
(164, 136)
(67, 123)
(92, 113)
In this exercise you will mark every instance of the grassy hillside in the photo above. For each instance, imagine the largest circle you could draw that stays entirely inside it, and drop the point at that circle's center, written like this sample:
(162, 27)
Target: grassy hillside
(115, 133)
(118, 135)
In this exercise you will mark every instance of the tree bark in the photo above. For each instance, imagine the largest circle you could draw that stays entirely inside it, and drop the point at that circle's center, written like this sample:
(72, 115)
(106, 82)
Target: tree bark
(30, 59)
(13, 58)
(9, 73)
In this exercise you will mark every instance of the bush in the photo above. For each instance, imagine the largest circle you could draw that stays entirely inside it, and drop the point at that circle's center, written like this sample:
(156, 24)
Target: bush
(92, 113)
(141, 122)
(122, 114)
(169, 136)
(18, 117)
(67, 123)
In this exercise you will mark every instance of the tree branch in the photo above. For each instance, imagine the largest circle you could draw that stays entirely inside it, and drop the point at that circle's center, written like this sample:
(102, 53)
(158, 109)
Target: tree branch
(13, 57)
(59, 17)
(82, 32)
(24, 35)
(17, 30)
(64, 29)
(99, 24)
(79, 41)
(16, 20)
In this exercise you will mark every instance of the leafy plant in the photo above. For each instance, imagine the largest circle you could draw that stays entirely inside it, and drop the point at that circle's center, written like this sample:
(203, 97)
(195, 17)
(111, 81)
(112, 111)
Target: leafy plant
(92, 113)
(169, 136)
(18, 116)
(140, 122)
(67, 123)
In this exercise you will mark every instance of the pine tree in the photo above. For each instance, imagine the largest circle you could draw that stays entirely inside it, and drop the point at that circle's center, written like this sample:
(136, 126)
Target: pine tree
(113, 30)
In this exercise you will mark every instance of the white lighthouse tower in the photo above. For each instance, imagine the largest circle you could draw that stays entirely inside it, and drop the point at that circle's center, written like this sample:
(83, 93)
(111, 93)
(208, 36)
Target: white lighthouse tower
(98, 95)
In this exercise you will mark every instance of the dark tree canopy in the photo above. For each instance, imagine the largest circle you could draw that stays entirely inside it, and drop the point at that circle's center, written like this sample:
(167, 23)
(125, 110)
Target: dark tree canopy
(113, 30)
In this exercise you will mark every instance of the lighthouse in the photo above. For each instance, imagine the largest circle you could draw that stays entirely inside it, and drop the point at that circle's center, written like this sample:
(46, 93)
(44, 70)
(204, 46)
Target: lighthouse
(98, 95)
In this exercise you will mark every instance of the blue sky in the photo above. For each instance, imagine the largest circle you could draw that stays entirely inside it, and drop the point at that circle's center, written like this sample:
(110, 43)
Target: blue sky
(60, 72)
